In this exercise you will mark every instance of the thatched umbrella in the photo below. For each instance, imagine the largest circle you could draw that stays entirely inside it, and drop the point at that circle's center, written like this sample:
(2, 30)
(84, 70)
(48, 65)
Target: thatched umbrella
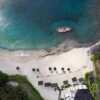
(33, 69)
(55, 69)
(50, 69)
(38, 70)
(63, 69)
(17, 68)
(68, 69)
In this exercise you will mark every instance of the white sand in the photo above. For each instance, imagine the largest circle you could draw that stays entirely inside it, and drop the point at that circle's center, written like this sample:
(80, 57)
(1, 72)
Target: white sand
(78, 60)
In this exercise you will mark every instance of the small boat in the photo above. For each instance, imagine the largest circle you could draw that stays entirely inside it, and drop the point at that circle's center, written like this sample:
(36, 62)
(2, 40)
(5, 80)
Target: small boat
(64, 29)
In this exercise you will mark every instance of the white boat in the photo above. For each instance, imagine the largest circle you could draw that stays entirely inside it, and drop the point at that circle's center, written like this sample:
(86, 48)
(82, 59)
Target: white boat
(64, 29)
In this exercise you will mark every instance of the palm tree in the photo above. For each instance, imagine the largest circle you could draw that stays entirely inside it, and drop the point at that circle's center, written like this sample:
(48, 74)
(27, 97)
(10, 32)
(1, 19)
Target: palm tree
(60, 91)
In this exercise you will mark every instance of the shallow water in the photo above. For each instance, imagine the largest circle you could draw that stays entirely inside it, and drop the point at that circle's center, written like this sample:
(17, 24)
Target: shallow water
(32, 24)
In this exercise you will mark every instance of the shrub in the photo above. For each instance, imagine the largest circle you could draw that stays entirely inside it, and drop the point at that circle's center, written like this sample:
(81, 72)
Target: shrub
(3, 79)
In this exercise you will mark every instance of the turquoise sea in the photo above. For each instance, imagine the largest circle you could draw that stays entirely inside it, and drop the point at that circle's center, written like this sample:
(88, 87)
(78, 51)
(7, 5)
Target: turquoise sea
(32, 24)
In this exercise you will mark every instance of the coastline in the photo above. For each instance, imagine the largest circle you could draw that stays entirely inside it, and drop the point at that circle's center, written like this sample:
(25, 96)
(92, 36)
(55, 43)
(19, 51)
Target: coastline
(38, 54)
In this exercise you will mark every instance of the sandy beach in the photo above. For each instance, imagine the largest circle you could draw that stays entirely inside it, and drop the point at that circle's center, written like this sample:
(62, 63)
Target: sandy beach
(77, 59)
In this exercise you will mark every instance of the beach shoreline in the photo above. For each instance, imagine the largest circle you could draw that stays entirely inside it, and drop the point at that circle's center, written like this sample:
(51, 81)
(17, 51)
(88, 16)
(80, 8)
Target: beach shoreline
(39, 54)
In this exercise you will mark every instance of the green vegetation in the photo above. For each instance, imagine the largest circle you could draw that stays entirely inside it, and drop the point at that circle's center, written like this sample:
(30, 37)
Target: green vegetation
(92, 84)
(94, 87)
(24, 90)
(3, 79)
(25, 84)
(95, 57)
(96, 60)
(9, 92)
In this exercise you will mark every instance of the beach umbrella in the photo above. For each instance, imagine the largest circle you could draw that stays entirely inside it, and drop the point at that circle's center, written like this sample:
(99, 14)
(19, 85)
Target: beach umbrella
(17, 68)
(50, 69)
(62, 69)
(38, 70)
(33, 69)
(68, 69)
(55, 68)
